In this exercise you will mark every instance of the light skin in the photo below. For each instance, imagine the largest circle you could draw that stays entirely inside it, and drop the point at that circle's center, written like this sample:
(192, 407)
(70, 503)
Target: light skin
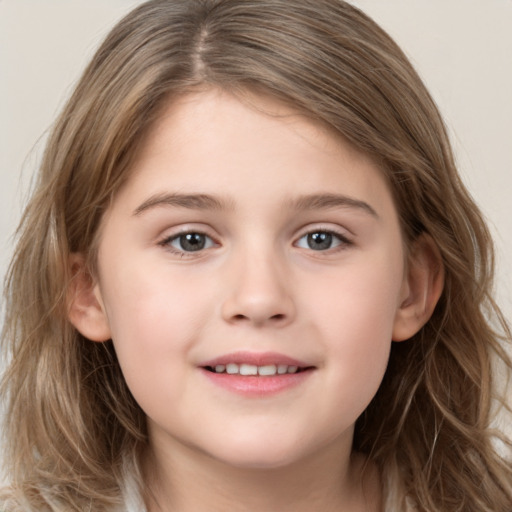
(294, 247)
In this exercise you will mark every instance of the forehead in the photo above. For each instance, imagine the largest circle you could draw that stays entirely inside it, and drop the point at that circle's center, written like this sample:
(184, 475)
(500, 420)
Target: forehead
(214, 141)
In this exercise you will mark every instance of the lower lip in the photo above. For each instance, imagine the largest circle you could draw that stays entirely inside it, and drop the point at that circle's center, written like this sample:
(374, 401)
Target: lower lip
(257, 386)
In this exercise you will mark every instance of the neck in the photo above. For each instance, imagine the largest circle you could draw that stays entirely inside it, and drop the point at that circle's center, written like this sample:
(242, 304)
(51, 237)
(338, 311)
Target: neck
(327, 481)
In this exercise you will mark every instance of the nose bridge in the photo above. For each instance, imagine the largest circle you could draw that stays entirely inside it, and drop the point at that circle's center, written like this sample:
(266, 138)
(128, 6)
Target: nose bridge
(260, 287)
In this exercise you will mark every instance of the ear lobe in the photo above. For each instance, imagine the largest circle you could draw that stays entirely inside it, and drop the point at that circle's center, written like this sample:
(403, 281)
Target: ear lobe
(85, 307)
(422, 287)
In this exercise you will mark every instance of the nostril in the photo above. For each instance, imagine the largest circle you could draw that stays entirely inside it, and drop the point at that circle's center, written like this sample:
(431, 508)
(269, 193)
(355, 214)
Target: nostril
(276, 317)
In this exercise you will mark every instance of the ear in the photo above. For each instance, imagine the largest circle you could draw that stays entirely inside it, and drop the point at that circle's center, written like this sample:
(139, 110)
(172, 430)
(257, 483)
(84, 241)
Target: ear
(85, 306)
(422, 286)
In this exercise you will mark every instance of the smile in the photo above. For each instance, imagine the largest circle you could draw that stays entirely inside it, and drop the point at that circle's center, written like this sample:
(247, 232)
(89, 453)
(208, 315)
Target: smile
(257, 375)
(250, 369)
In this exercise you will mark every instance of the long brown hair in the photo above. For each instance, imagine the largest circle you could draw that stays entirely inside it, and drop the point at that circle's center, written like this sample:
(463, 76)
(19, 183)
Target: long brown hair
(71, 422)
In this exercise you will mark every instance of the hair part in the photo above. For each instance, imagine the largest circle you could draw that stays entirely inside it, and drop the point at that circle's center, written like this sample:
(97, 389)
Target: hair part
(71, 421)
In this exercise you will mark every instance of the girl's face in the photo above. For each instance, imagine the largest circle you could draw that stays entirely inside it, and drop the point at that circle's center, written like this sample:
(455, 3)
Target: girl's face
(250, 240)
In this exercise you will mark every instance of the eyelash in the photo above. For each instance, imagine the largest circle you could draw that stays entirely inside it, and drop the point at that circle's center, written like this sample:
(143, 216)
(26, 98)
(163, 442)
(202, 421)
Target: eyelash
(166, 243)
(343, 242)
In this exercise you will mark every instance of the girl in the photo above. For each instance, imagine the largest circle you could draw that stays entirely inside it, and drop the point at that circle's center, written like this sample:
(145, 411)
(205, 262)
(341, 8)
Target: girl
(250, 278)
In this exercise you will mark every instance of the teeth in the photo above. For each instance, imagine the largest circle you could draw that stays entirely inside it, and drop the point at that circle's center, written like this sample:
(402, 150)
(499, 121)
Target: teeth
(232, 368)
(267, 370)
(250, 369)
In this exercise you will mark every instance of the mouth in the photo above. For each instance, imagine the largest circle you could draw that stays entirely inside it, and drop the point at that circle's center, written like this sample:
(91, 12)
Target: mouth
(268, 370)
(257, 374)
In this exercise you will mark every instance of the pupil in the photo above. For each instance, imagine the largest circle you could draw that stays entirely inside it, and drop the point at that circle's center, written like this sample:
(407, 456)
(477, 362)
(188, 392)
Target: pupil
(192, 242)
(319, 241)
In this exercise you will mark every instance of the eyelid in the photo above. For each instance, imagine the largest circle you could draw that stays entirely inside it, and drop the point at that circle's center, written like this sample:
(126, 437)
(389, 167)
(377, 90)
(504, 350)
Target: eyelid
(344, 236)
(173, 234)
(340, 233)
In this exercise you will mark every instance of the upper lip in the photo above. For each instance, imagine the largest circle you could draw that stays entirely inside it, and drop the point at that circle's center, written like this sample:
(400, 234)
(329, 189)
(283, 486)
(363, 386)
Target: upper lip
(256, 359)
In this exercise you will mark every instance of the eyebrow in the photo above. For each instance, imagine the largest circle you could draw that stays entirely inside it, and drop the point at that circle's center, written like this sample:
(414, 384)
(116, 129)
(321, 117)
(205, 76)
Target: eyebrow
(190, 201)
(328, 201)
(209, 202)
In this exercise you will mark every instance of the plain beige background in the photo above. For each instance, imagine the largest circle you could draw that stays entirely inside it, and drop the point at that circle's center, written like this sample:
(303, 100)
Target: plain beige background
(462, 48)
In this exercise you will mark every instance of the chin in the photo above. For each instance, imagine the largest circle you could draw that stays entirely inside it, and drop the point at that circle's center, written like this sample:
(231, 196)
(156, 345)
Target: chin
(257, 462)
(259, 456)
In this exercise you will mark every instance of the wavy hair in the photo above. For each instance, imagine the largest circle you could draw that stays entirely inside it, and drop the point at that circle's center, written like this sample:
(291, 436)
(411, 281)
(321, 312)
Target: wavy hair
(71, 423)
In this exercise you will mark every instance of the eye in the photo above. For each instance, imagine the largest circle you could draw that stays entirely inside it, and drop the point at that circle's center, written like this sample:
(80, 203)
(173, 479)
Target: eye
(322, 240)
(188, 242)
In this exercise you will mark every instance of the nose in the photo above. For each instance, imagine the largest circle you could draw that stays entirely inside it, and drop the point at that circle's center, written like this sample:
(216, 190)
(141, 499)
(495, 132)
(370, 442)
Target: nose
(259, 293)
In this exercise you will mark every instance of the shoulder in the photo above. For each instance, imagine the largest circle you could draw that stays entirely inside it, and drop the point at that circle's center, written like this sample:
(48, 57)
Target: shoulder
(395, 498)
(7, 503)
(132, 499)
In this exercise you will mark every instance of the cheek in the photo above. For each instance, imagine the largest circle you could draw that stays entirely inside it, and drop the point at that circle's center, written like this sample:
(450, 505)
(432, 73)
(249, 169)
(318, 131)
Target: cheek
(356, 318)
(152, 304)
(154, 321)
(362, 298)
